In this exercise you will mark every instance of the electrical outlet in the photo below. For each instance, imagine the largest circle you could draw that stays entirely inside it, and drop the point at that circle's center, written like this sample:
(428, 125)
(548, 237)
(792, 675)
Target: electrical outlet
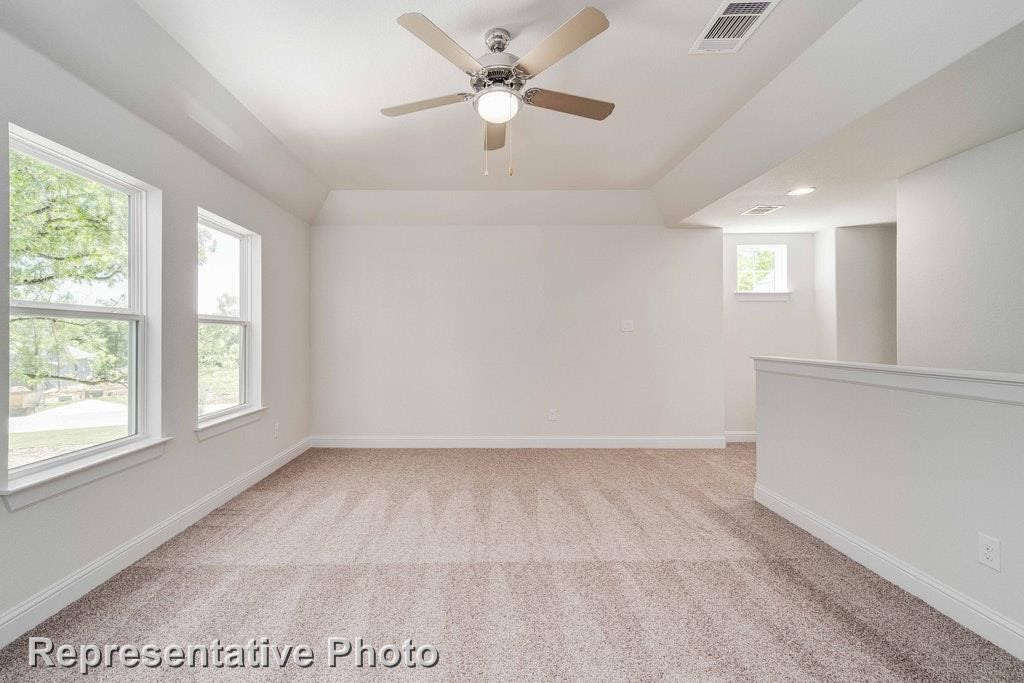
(553, 414)
(989, 551)
(277, 429)
(627, 326)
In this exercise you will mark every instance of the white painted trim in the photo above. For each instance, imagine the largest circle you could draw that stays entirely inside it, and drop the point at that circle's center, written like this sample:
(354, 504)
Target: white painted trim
(52, 599)
(225, 423)
(145, 225)
(39, 484)
(68, 159)
(995, 387)
(959, 607)
(250, 306)
(347, 441)
(762, 296)
(740, 436)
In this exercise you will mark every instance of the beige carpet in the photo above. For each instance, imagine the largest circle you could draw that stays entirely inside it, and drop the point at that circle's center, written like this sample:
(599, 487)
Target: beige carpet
(595, 565)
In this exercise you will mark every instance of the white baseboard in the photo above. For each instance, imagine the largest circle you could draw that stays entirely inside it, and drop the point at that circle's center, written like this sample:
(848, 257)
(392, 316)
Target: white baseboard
(740, 436)
(959, 607)
(51, 600)
(337, 441)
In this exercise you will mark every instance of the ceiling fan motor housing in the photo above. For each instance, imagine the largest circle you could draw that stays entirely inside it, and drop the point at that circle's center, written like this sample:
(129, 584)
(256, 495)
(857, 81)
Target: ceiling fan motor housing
(497, 70)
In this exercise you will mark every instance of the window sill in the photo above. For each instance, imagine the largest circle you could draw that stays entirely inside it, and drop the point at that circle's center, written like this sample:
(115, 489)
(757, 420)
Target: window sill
(225, 423)
(27, 489)
(762, 296)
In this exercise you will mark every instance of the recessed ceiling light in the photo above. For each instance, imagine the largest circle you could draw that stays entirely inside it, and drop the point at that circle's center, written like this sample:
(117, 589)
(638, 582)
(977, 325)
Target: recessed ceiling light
(800, 191)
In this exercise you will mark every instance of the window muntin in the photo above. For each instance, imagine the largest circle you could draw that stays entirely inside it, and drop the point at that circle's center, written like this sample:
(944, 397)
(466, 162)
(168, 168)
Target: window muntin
(761, 268)
(228, 321)
(77, 313)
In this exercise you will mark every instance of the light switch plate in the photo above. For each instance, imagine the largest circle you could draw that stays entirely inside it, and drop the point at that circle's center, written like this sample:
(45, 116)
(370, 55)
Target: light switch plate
(627, 326)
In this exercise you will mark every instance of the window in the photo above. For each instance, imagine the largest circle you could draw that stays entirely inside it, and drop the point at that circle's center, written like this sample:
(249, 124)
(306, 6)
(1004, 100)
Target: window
(228, 330)
(761, 268)
(80, 335)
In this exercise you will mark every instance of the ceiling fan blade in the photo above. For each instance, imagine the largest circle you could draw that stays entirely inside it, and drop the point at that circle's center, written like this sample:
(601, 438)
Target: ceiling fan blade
(568, 104)
(424, 104)
(424, 29)
(495, 138)
(587, 23)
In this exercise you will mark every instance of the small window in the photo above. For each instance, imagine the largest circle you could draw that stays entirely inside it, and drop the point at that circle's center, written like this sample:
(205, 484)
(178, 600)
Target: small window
(78, 307)
(228, 319)
(761, 268)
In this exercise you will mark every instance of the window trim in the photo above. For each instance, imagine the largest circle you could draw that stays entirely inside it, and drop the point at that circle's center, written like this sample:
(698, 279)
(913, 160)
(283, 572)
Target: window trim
(781, 266)
(53, 475)
(762, 296)
(35, 486)
(250, 303)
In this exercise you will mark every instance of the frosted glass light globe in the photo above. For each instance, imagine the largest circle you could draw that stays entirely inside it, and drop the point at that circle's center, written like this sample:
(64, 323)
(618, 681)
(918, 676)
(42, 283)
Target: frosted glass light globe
(497, 106)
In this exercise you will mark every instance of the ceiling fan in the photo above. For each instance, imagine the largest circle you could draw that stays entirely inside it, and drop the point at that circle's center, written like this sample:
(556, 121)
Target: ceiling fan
(498, 78)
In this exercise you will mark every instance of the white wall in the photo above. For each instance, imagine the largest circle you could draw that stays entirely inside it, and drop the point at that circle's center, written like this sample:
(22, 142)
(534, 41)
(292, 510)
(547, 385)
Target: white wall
(855, 293)
(52, 539)
(865, 271)
(960, 274)
(825, 293)
(901, 470)
(752, 328)
(471, 333)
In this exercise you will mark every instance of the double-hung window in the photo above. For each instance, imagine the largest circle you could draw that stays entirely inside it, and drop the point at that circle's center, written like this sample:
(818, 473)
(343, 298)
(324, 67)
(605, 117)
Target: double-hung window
(228, 321)
(83, 382)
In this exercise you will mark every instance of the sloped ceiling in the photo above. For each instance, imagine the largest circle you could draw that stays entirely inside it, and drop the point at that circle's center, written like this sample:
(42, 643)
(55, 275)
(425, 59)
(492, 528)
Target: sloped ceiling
(878, 51)
(317, 72)
(286, 96)
(117, 48)
(975, 100)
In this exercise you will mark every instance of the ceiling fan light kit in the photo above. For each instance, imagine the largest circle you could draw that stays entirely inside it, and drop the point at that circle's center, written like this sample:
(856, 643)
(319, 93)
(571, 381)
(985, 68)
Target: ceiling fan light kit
(497, 104)
(498, 78)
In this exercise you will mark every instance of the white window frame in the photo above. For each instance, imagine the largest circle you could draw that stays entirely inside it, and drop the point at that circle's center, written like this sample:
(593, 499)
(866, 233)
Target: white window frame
(29, 483)
(250, 303)
(782, 291)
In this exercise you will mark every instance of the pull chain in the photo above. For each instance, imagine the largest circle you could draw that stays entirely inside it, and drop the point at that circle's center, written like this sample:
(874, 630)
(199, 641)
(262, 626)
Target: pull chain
(508, 127)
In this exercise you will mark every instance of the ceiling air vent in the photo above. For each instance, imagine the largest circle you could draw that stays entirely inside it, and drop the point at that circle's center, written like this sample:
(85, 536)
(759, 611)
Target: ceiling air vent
(731, 26)
(760, 209)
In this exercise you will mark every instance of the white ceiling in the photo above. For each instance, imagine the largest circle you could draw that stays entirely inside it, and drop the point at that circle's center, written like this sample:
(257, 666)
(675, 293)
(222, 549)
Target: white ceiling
(117, 48)
(317, 72)
(976, 99)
